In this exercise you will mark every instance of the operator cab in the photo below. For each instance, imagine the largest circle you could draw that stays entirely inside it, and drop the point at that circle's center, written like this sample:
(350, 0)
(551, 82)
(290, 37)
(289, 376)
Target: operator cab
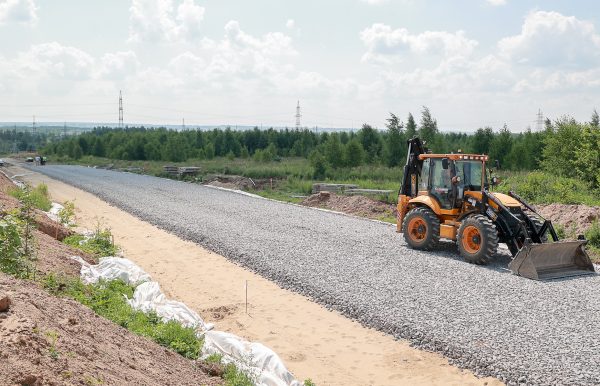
(447, 177)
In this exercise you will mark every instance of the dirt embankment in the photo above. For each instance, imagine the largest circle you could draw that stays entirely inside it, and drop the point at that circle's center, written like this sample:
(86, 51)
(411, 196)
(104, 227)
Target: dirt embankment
(46, 340)
(574, 218)
(43, 223)
(355, 205)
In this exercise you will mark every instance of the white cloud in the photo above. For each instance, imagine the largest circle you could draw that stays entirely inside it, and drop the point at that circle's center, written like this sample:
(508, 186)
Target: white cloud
(550, 39)
(118, 65)
(385, 44)
(54, 60)
(290, 24)
(496, 3)
(18, 11)
(157, 20)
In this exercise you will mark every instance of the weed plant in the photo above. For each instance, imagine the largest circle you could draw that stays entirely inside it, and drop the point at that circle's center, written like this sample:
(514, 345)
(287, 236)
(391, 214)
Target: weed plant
(38, 196)
(100, 244)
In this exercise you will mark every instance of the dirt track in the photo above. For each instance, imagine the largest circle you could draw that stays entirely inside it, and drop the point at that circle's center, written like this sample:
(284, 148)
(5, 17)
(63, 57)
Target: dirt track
(313, 341)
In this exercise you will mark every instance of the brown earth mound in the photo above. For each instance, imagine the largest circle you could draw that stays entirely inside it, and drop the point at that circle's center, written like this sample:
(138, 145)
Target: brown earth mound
(355, 205)
(44, 224)
(237, 182)
(575, 218)
(45, 340)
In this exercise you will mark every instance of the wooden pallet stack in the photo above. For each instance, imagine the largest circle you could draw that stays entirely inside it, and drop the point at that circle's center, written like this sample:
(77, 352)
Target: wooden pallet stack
(181, 171)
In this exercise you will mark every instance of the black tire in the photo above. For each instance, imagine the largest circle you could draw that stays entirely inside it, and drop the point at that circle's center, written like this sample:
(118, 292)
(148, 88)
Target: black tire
(538, 224)
(428, 233)
(480, 243)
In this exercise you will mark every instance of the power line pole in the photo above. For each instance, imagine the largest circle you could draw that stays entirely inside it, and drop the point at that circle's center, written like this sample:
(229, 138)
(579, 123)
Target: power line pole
(298, 116)
(65, 130)
(539, 124)
(120, 110)
(33, 126)
(183, 124)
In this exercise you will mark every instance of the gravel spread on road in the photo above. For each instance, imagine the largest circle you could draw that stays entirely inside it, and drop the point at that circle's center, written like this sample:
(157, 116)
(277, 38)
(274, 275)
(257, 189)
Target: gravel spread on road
(482, 318)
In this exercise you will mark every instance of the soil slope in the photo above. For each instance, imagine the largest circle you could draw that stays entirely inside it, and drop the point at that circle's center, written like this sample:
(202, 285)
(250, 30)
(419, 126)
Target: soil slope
(88, 349)
(46, 340)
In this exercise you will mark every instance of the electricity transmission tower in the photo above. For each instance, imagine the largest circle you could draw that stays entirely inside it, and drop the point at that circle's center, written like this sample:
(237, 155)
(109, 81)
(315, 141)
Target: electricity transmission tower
(33, 128)
(120, 110)
(298, 116)
(539, 123)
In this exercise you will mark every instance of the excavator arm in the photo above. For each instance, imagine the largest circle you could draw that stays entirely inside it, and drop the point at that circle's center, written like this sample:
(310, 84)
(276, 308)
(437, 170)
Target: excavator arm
(410, 178)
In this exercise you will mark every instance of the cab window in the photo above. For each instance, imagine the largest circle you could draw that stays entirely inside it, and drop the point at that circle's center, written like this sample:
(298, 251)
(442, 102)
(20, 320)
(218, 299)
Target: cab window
(424, 180)
(470, 174)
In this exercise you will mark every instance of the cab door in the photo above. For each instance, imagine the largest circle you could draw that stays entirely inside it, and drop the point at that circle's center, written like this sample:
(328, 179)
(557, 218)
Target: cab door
(440, 182)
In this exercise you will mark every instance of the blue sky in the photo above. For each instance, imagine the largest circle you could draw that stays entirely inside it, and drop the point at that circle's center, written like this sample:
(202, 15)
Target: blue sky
(474, 63)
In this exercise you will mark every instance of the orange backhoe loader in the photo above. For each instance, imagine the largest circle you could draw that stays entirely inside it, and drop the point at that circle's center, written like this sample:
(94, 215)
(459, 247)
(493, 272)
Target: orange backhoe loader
(448, 196)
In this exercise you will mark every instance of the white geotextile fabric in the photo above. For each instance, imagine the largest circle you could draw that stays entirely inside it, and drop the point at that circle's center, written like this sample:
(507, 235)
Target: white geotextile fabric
(54, 210)
(111, 268)
(258, 361)
(148, 297)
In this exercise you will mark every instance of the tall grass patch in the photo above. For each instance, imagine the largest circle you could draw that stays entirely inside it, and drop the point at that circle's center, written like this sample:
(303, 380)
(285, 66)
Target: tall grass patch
(38, 196)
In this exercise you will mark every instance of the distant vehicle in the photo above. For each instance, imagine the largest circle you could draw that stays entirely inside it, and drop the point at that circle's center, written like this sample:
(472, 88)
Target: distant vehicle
(29, 159)
(1, 162)
(44, 160)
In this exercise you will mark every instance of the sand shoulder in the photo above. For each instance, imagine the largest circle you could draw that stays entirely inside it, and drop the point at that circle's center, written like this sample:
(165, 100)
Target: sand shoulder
(313, 342)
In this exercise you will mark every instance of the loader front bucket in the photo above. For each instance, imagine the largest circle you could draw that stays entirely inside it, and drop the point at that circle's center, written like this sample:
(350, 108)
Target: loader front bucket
(552, 260)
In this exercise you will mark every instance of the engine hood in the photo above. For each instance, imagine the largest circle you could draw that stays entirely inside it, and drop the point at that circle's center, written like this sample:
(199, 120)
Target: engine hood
(506, 200)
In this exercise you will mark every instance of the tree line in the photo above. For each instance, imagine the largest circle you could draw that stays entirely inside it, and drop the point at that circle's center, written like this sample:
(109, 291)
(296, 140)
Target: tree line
(565, 146)
(16, 140)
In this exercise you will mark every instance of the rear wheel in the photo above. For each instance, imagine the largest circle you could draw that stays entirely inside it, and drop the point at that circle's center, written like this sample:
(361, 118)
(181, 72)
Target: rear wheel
(477, 239)
(421, 228)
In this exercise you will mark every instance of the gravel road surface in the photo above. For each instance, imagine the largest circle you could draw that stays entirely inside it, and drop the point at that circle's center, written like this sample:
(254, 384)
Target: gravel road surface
(482, 318)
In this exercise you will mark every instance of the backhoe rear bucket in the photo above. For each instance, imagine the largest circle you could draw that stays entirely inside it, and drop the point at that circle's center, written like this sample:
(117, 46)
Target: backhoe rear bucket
(552, 260)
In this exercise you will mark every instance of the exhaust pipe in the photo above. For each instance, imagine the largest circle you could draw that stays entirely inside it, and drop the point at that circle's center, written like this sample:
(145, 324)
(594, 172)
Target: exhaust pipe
(552, 260)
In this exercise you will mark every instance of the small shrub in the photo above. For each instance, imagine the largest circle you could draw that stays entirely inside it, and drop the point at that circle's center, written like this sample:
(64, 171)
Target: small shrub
(593, 234)
(67, 213)
(52, 340)
(100, 244)
(560, 231)
(235, 377)
(38, 196)
(15, 252)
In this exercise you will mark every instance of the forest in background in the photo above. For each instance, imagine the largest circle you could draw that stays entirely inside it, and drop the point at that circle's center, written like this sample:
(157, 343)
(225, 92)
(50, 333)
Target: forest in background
(565, 147)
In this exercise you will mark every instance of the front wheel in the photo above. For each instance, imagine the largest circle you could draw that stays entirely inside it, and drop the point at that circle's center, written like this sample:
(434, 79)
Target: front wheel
(421, 229)
(477, 239)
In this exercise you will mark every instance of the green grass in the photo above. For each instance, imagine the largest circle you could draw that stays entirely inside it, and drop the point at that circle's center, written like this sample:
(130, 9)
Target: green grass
(544, 188)
(107, 299)
(99, 245)
(38, 196)
(592, 235)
